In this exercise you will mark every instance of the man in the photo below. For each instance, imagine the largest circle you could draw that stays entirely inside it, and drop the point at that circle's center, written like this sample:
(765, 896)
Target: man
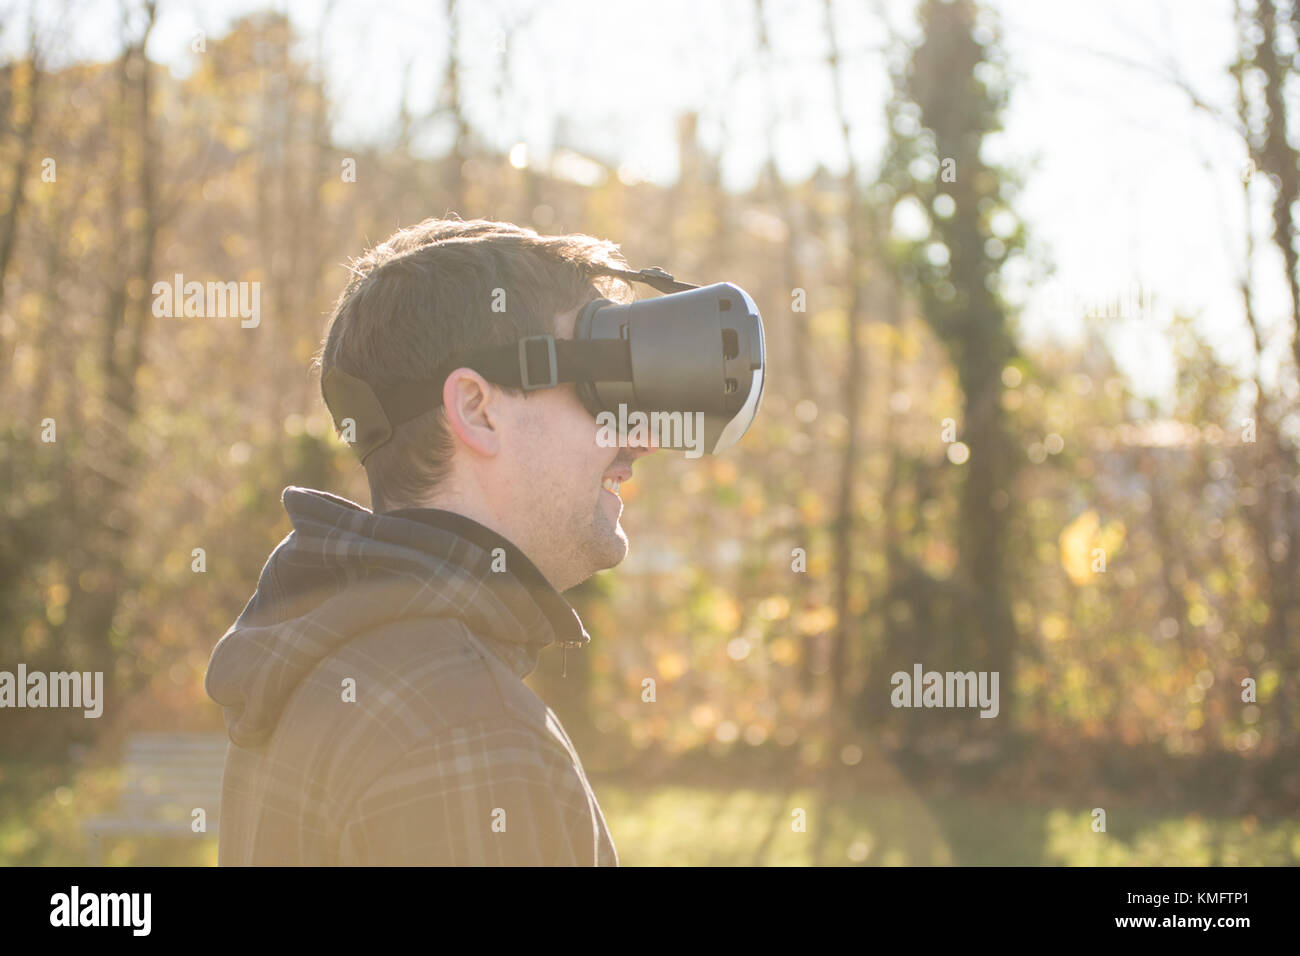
(372, 686)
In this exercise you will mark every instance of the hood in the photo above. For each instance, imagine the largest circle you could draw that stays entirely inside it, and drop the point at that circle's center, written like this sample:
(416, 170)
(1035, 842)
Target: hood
(343, 571)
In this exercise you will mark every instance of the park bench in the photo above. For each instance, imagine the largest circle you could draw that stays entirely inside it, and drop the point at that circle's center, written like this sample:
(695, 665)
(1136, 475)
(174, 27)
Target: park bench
(166, 776)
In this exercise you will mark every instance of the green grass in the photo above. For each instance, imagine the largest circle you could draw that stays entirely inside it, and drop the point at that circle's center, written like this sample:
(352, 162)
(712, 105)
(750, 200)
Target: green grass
(42, 806)
(692, 826)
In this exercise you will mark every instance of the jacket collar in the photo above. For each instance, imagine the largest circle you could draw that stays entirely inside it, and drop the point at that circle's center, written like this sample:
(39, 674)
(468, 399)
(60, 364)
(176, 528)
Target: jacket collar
(543, 616)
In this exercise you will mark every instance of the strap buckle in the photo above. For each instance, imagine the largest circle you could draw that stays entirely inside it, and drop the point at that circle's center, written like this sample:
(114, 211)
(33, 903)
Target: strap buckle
(524, 379)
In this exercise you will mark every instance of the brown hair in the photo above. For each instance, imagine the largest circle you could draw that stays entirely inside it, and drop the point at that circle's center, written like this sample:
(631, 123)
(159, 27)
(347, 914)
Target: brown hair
(425, 296)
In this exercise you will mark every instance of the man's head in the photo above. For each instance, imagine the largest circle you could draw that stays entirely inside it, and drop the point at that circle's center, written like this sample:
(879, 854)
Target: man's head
(527, 465)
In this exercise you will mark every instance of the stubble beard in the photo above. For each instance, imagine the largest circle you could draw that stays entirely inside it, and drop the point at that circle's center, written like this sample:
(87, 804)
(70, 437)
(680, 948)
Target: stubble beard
(592, 541)
(609, 539)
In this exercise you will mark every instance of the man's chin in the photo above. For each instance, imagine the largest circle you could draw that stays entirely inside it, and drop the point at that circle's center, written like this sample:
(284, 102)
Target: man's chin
(618, 548)
(610, 547)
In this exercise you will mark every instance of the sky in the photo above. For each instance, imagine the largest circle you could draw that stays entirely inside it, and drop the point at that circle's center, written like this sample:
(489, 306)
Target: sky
(1133, 199)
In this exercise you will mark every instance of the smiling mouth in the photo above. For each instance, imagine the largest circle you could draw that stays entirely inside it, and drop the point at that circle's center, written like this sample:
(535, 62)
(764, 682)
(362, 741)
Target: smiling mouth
(610, 485)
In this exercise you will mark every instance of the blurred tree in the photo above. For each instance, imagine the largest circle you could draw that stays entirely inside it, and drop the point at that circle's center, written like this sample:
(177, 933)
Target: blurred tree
(853, 382)
(25, 131)
(1274, 513)
(946, 102)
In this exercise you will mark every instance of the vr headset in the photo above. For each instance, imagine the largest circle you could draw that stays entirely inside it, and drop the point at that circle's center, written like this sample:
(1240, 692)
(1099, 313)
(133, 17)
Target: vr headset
(693, 351)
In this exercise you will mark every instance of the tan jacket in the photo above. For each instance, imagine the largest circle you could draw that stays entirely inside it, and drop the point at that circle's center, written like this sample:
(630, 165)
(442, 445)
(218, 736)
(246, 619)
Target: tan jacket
(373, 694)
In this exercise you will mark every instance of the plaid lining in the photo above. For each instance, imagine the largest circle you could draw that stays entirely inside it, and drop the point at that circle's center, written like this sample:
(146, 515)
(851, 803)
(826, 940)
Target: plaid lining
(445, 757)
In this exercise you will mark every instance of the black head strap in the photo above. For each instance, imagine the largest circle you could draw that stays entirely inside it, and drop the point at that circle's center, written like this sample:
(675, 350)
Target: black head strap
(538, 361)
(654, 277)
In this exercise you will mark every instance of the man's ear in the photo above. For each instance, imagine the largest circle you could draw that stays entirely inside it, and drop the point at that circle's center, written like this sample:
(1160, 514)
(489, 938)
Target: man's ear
(472, 407)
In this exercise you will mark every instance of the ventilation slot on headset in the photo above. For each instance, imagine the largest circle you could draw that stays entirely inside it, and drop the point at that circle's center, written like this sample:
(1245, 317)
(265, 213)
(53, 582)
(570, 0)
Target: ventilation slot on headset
(730, 343)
